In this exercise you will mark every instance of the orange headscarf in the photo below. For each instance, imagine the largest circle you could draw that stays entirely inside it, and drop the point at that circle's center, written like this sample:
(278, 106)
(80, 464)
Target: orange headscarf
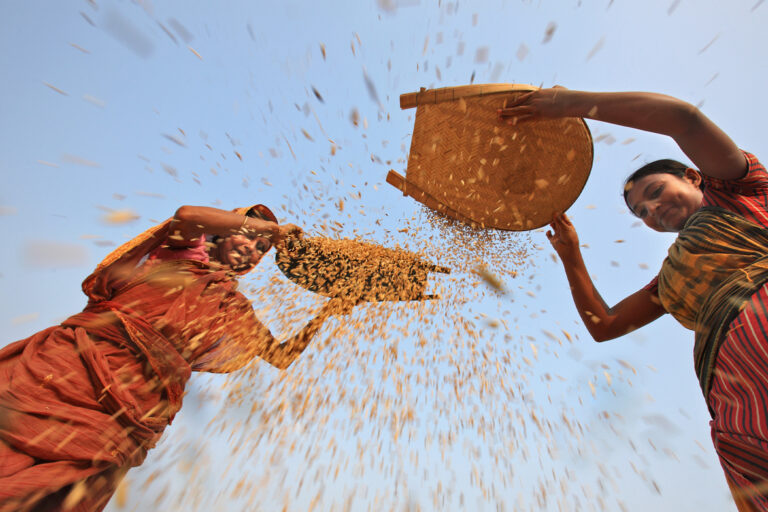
(125, 258)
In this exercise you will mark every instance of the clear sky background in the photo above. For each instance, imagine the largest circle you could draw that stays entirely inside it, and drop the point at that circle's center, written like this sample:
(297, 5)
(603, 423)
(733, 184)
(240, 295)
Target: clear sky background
(123, 109)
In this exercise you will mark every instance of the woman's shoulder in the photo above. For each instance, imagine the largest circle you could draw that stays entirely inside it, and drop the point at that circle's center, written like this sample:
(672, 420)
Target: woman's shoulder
(754, 180)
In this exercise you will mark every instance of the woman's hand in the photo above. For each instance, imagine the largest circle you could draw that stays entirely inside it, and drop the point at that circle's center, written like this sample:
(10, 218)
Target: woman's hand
(285, 233)
(563, 237)
(543, 103)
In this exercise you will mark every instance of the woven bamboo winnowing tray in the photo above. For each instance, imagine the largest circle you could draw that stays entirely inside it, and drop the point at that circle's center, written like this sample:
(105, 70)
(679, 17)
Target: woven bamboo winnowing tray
(470, 166)
(349, 268)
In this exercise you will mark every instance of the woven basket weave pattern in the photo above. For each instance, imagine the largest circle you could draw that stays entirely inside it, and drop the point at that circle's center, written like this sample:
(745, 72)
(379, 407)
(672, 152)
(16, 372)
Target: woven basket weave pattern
(512, 177)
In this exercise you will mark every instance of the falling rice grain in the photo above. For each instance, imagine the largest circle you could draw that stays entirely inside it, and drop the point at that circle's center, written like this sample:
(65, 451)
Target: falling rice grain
(195, 52)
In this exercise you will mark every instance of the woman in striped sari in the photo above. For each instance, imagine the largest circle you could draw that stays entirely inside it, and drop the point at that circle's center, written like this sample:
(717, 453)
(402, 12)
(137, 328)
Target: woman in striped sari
(715, 278)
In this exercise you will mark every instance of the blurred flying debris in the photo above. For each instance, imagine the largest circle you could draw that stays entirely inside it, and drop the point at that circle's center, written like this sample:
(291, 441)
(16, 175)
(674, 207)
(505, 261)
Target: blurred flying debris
(598, 46)
(549, 32)
(195, 52)
(490, 279)
(706, 47)
(169, 169)
(49, 164)
(388, 6)
(94, 101)
(605, 137)
(52, 87)
(120, 217)
(481, 54)
(77, 160)
(86, 18)
(78, 47)
(8, 210)
(712, 79)
(522, 52)
(391, 6)
(48, 254)
(663, 423)
(318, 95)
(371, 88)
(168, 33)
(498, 69)
(174, 139)
(672, 7)
(290, 148)
(181, 30)
(126, 33)
(150, 194)
(626, 365)
(23, 319)
(756, 5)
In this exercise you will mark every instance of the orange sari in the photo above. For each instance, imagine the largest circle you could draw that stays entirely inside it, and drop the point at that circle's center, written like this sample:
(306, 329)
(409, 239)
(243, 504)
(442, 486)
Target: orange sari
(82, 402)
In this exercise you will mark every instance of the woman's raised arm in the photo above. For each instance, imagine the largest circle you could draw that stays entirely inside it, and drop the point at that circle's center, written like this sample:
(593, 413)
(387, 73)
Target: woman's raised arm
(709, 148)
(191, 222)
(602, 322)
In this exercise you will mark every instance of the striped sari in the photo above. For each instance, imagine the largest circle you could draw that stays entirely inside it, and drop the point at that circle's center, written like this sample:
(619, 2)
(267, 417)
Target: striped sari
(714, 282)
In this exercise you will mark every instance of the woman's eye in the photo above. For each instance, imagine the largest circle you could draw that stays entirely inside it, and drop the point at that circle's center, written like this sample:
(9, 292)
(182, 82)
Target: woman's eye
(262, 245)
(657, 192)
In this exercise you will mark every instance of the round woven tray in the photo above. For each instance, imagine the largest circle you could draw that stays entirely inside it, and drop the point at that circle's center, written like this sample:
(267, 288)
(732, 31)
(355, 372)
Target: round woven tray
(348, 268)
(467, 164)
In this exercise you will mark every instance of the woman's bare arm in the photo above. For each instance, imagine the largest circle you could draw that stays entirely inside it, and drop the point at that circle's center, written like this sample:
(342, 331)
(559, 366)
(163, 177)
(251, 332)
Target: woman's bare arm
(282, 354)
(603, 322)
(191, 222)
(709, 148)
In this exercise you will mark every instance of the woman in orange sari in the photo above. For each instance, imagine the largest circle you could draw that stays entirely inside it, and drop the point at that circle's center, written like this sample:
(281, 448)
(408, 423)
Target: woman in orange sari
(83, 401)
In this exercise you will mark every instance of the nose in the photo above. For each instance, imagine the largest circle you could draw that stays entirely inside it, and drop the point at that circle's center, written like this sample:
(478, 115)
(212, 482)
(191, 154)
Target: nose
(654, 207)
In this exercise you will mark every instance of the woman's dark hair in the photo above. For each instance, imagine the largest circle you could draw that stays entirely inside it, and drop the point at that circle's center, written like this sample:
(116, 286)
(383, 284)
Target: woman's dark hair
(253, 213)
(261, 212)
(665, 166)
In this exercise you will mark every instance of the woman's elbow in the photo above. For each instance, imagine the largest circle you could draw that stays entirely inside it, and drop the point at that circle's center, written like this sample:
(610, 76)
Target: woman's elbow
(185, 213)
(689, 118)
(281, 362)
(280, 365)
(600, 337)
(606, 332)
(598, 334)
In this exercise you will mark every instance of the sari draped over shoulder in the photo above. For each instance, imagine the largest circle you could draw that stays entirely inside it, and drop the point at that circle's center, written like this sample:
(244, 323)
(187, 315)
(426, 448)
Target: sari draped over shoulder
(719, 260)
(82, 402)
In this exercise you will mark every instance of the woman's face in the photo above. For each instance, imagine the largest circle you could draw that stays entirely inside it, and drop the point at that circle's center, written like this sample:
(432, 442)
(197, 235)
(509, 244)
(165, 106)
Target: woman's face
(664, 202)
(240, 252)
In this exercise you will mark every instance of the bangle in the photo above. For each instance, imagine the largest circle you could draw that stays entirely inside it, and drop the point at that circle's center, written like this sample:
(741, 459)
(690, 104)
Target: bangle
(242, 226)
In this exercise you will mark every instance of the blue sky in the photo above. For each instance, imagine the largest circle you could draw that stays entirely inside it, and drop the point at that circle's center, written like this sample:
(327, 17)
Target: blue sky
(135, 108)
